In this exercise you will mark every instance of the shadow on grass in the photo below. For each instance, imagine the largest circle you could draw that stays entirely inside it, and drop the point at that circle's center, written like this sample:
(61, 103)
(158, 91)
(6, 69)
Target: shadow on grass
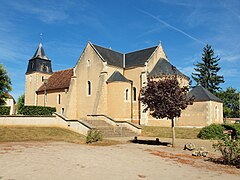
(150, 142)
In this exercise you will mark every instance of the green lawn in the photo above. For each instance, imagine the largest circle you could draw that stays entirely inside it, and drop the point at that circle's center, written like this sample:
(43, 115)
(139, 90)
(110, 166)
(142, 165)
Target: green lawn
(26, 133)
(166, 132)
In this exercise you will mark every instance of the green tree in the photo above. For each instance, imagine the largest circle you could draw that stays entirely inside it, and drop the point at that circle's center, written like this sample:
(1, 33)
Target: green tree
(165, 99)
(230, 99)
(5, 84)
(20, 104)
(206, 71)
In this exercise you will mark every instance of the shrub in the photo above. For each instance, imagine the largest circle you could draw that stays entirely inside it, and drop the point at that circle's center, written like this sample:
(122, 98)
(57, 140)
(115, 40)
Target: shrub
(93, 136)
(213, 131)
(230, 150)
(38, 110)
(235, 128)
(5, 110)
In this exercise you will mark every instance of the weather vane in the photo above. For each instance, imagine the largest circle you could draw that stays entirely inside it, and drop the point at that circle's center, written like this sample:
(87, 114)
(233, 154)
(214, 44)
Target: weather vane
(41, 37)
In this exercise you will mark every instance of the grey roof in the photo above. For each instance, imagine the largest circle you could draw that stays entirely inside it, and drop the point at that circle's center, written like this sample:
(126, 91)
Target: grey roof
(112, 57)
(132, 59)
(39, 62)
(138, 58)
(117, 77)
(202, 94)
(163, 67)
(40, 53)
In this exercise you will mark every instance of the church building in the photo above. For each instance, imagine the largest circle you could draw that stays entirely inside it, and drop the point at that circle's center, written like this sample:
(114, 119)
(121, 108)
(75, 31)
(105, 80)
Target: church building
(106, 82)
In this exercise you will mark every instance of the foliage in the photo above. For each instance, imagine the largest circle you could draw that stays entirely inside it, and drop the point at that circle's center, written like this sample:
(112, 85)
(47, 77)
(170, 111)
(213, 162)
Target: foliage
(230, 150)
(165, 99)
(230, 99)
(93, 136)
(20, 104)
(213, 131)
(235, 129)
(5, 85)
(38, 110)
(5, 110)
(206, 71)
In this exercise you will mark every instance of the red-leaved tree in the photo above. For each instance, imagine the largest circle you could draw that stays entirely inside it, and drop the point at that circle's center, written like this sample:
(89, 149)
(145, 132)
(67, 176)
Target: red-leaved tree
(165, 99)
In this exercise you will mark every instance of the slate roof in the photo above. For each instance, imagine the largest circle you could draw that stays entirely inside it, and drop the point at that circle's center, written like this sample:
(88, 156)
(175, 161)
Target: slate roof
(132, 59)
(202, 94)
(112, 57)
(58, 80)
(40, 53)
(138, 58)
(117, 77)
(163, 67)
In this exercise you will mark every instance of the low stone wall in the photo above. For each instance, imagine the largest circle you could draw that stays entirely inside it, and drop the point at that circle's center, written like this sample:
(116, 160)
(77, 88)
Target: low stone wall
(45, 121)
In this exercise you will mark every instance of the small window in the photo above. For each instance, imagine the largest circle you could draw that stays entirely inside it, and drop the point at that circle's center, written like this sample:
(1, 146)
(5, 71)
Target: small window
(59, 99)
(134, 94)
(216, 112)
(43, 78)
(88, 63)
(62, 111)
(89, 90)
(126, 94)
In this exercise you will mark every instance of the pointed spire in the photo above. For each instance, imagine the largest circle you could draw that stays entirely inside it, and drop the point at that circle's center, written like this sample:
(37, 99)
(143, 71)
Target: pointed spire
(40, 53)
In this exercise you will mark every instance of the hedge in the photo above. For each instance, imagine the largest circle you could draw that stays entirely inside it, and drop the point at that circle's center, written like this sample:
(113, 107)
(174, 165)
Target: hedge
(5, 110)
(216, 131)
(38, 110)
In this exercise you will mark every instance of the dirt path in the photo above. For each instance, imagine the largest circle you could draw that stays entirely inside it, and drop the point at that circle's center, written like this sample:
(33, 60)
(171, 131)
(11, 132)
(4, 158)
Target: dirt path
(59, 160)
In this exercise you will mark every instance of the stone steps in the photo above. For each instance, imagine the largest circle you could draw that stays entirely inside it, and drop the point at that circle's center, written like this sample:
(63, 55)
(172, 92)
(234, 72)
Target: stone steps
(108, 130)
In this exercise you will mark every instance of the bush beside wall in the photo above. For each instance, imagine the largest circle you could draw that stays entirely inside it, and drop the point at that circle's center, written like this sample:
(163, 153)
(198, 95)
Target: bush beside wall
(38, 110)
(5, 110)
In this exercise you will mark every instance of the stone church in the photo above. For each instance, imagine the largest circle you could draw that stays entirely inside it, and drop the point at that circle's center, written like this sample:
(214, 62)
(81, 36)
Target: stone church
(108, 83)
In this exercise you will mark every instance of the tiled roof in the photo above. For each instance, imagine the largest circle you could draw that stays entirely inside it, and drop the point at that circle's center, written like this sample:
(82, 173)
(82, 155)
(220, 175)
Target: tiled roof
(138, 58)
(58, 80)
(117, 77)
(112, 57)
(163, 67)
(202, 94)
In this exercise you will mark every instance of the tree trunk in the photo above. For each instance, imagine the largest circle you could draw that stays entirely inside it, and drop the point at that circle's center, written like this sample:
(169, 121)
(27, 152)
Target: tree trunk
(173, 133)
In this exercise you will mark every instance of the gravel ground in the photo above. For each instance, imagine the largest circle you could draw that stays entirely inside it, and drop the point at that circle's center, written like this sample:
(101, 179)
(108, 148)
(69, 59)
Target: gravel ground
(60, 160)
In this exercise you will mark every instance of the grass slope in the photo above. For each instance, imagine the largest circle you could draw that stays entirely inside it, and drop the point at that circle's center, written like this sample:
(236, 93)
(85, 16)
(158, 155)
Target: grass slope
(165, 132)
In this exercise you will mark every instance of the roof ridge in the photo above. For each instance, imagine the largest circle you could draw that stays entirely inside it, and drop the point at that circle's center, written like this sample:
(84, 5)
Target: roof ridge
(141, 50)
(107, 48)
(63, 70)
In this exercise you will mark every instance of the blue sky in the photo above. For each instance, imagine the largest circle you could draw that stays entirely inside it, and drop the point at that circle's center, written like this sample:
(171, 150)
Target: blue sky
(183, 27)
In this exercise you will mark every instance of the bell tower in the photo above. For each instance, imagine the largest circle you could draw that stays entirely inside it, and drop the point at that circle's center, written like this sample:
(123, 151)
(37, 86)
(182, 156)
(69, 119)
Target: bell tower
(39, 69)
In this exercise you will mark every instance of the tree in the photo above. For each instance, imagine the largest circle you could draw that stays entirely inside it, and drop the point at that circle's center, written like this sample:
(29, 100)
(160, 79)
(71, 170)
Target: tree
(230, 99)
(165, 99)
(5, 84)
(20, 103)
(206, 71)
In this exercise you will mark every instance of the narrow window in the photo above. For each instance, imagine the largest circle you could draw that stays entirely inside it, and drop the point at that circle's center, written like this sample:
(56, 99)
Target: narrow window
(89, 88)
(126, 94)
(43, 78)
(216, 112)
(134, 94)
(62, 110)
(88, 63)
(59, 99)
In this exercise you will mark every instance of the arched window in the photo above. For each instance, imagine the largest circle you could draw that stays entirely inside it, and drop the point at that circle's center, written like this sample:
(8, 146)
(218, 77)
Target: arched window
(89, 89)
(216, 112)
(59, 99)
(134, 94)
(126, 94)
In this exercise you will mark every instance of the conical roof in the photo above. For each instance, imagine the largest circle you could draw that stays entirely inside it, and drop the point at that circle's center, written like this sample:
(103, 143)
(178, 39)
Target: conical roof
(40, 53)
(117, 76)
